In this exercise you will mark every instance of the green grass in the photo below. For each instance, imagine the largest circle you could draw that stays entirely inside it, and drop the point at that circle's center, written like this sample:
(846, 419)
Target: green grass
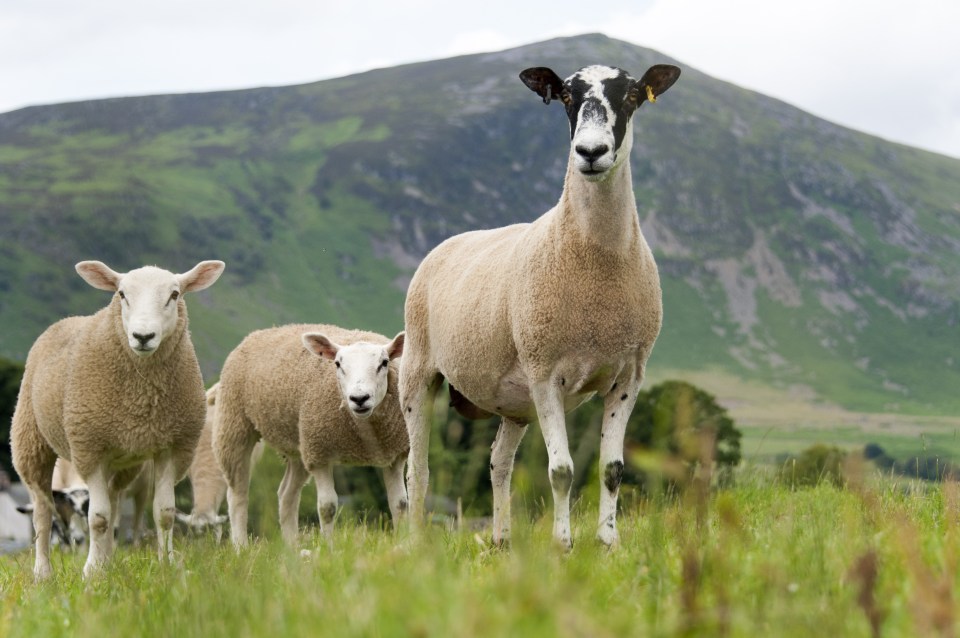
(768, 561)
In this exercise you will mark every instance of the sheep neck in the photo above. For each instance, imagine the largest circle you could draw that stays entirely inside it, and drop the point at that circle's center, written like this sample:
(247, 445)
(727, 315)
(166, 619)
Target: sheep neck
(602, 213)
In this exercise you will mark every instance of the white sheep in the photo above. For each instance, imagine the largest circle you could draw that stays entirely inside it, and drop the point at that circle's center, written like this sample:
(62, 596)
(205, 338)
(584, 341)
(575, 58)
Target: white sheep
(207, 482)
(530, 320)
(321, 396)
(108, 392)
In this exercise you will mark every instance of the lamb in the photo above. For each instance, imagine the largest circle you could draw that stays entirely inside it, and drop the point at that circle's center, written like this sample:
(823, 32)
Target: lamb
(321, 396)
(528, 321)
(108, 392)
(206, 480)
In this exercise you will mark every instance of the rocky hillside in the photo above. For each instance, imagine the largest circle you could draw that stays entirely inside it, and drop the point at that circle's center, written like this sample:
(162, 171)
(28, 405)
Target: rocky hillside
(792, 250)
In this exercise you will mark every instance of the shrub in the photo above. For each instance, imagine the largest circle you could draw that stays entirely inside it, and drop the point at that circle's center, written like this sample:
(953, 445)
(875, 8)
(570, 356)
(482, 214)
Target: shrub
(816, 464)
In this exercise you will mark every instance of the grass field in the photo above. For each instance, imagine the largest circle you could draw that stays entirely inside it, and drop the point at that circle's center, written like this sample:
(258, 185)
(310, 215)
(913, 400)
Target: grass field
(756, 559)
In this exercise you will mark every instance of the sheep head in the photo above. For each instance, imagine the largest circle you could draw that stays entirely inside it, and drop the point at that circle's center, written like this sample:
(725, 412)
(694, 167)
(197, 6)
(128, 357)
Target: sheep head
(600, 102)
(149, 298)
(362, 369)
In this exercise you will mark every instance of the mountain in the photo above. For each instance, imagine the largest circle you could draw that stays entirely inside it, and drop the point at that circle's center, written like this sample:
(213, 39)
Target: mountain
(793, 251)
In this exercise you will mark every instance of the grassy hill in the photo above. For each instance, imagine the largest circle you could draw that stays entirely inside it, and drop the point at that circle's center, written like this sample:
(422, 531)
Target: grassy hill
(795, 253)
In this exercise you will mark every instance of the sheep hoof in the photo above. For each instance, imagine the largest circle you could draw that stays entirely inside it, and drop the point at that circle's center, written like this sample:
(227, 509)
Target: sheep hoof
(502, 543)
(564, 544)
(41, 574)
(608, 537)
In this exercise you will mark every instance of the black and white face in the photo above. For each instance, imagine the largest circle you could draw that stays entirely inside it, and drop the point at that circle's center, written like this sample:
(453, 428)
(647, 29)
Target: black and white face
(594, 98)
(600, 102)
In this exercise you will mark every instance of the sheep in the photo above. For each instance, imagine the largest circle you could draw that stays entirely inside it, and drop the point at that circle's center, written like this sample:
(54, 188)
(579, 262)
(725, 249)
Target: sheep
(321, 396)
(71, 502)
(530, 320)
(206, 480)
(108, 392)
(71, 499)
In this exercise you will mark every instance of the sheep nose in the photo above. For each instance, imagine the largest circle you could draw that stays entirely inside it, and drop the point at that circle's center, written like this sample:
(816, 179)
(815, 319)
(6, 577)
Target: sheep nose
(360, 400)
(143, 339)
(591, 154)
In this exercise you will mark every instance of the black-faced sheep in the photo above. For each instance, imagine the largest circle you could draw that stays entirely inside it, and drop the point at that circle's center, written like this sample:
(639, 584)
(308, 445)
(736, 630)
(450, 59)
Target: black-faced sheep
(530, 320)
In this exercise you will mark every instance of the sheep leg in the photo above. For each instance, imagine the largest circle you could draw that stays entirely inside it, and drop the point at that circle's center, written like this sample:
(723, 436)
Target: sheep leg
(289, 496)
(396, 490)
(164, 507)
(503, 453)
(115, 519)
(326, 498)
(99, 521)
(617, 406)
(417, 394)
(42, 519)
(549, 404)
(34, 460)
(238, 492)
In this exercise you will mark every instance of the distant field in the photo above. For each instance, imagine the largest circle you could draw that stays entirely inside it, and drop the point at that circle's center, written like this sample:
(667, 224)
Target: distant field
(789, 420)
(766, 562)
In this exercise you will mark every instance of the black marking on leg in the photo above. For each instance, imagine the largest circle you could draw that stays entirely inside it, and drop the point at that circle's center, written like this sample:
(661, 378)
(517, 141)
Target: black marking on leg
(563, 381)
(561, 478)
(614, 387)
(327, 512)
(612, 475)
(624, 397)
(100, 524)
(402, 505)
(491, 467)
(409, 409)
(613, 414)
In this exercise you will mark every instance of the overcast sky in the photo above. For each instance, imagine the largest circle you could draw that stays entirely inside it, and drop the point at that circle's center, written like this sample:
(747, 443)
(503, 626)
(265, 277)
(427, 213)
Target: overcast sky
(883, 67)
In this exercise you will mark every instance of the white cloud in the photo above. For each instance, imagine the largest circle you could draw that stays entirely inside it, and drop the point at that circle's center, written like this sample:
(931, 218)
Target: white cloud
(884, 67)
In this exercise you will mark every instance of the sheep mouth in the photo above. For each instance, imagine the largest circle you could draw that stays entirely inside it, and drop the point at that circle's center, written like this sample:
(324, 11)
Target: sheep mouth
(361, 410)
(143, 351)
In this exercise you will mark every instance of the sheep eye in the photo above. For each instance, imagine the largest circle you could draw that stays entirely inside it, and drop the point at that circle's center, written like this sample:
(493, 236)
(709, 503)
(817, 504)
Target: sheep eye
(384, 364)
(122, 296)
(566, 98)
(337, 363)
(175, 295)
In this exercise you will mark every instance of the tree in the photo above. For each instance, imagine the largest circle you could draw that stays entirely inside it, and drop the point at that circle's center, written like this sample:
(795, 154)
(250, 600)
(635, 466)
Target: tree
(669, 429)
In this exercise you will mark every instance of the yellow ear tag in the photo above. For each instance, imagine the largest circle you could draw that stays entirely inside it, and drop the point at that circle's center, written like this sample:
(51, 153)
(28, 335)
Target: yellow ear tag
(650, 95)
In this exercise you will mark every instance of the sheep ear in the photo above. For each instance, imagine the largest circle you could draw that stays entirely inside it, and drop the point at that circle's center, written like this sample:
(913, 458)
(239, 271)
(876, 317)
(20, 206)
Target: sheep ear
(395, 347)
(319, 345)
(544, 82)
(658, 79)
(98, 275)
(201, 276)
